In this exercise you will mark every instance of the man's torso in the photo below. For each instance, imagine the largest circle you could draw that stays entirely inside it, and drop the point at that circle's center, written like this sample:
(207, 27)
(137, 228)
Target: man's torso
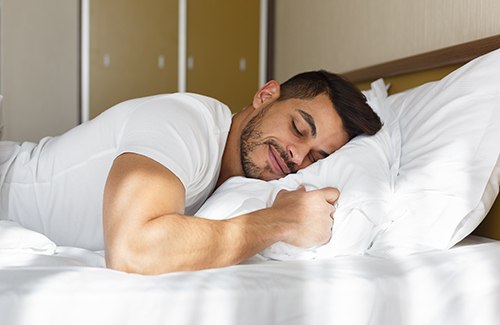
(56, 186)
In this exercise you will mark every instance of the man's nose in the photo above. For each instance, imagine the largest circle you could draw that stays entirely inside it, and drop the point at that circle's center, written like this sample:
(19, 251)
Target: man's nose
(298, 153)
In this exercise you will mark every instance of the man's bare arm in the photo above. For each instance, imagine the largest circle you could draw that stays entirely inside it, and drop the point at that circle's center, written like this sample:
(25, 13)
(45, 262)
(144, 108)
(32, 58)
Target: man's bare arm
(146, 231)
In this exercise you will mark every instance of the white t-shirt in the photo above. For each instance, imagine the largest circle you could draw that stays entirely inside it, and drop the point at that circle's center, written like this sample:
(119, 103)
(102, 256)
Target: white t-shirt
(56, 186)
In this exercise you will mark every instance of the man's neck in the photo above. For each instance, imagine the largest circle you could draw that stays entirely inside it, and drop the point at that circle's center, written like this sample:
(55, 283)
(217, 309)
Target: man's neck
(231, 159)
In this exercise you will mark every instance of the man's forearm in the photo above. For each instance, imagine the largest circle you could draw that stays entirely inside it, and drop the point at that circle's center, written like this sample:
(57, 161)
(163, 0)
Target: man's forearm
(176, 242)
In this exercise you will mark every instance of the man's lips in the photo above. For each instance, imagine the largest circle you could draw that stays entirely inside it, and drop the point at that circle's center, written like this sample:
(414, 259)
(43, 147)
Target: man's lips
(277, 161)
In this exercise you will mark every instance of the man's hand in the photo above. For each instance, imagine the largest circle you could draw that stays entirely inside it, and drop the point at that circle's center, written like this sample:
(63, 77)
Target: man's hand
(308, 215)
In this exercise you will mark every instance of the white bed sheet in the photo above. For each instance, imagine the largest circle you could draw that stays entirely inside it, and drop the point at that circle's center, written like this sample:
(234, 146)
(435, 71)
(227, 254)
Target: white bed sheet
(459, 286)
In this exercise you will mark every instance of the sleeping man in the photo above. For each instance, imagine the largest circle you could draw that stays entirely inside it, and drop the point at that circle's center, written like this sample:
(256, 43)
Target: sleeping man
(128, 180)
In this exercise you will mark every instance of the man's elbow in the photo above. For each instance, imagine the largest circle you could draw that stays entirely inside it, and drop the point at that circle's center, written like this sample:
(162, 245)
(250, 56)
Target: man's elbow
(120, 260)
(127, 260)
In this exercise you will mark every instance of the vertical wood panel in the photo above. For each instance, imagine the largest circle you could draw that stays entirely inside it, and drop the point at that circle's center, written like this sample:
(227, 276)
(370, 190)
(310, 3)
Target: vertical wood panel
(126, 39)
(219, 34)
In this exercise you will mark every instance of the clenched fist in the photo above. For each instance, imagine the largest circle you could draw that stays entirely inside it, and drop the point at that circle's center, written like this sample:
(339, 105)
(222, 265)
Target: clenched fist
(307, 217)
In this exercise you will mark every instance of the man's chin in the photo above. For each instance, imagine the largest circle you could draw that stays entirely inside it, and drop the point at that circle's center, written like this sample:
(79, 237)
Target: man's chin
(270, 177)
(264, 176)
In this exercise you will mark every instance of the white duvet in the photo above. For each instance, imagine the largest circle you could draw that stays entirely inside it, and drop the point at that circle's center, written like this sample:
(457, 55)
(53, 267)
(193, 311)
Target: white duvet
(71, 286)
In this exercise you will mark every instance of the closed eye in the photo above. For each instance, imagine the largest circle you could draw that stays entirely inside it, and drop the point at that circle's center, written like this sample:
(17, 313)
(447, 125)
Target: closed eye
(296, 130)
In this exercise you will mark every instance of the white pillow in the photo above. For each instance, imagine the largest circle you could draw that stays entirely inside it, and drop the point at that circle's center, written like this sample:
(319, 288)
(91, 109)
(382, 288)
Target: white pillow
(17, 239)
(450, 133)
(425, 181)
(364, 170)
(474, 218)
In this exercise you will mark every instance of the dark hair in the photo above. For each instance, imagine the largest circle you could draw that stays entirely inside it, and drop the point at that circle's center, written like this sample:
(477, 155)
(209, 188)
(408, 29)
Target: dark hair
(357, 116)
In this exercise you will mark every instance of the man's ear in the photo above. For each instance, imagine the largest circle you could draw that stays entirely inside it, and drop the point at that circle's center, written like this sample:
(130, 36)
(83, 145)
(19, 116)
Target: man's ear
(269, 92)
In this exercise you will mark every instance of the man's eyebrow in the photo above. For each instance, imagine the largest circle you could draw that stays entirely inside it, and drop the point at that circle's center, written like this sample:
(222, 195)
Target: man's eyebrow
(309, 120)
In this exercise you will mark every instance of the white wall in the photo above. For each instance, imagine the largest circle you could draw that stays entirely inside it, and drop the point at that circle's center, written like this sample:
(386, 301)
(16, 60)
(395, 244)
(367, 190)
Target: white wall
(39, 67)
(342, 35)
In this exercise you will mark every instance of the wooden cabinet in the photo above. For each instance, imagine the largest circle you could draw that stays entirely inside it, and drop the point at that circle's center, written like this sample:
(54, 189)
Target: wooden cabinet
(133, 50)
(128, 49)
(223, 50)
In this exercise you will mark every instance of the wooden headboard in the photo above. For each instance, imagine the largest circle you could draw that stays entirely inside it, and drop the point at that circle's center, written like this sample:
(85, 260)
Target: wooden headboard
(410, 72)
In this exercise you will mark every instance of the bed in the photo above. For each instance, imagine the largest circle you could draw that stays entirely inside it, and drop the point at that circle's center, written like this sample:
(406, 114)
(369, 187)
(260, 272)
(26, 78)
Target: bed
(403, 249)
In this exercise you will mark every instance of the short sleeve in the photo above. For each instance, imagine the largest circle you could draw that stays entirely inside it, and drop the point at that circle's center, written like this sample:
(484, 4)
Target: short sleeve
(182, 133)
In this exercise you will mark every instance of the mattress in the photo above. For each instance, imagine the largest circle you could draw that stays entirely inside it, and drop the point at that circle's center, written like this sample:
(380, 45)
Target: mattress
(72, 286)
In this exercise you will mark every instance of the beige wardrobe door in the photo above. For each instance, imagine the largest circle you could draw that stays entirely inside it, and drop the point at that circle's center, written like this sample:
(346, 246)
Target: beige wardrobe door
(223, 50)
(133, 50)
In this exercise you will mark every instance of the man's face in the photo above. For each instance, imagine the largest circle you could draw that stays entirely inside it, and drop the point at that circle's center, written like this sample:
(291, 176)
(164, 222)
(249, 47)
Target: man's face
(290, 135)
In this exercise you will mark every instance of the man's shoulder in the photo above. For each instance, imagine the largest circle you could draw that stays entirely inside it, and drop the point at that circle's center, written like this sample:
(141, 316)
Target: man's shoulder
(206, 108)
(213, 104)
(175, 108)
